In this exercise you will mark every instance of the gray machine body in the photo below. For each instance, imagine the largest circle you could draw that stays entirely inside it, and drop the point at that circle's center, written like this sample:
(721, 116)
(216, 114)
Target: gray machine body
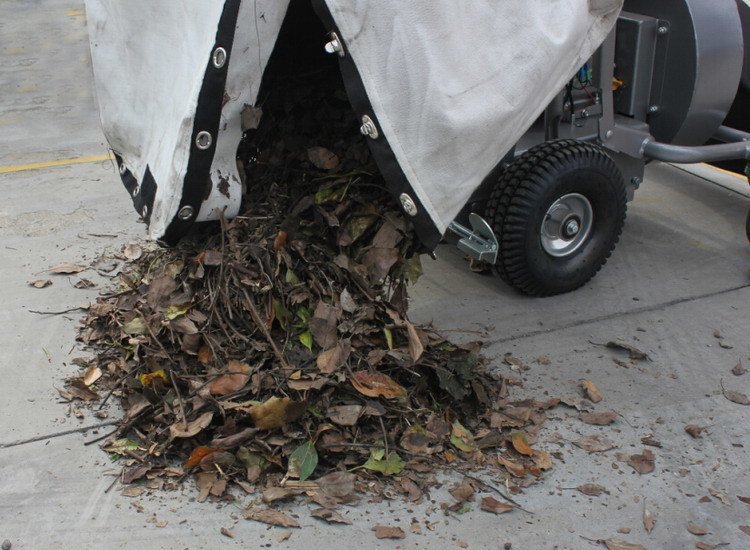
(676, 66)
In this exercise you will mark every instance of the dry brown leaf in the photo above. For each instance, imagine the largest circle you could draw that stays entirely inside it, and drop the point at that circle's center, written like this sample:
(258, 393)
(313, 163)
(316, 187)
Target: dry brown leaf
(284, 536)
(178, 429)
(648, 520)
(517, 470)
(462, 492)
(323, 325)
(322, 158)
(542, 459)
(615, 544)
(592, 392)
(379, 261)
(79, 390)
(386, 532)
(376, 384)
(205, 355)
(226, 532)
(738, 369)
(67, 268)
(331, 359)
(693, 430)
(643, 463)
(594, 443)
(737, 397)
(132, 252)
(721, 496)
(696, 529)
(704, 546)
(330, 516)
(520, 444)
(592, 489)
(415, 345)
(271, 517)
(275, 412)
(633, 353)
(91, 375)
(272, 494)
(345, 415)
(230, 383)
(746, 500)
(599, 419)
(745, 529)
(490, 504)
(40, 283)
(337, 484)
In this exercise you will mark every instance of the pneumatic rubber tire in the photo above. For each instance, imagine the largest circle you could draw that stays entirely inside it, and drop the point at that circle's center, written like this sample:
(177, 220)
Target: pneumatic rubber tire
(585, 180)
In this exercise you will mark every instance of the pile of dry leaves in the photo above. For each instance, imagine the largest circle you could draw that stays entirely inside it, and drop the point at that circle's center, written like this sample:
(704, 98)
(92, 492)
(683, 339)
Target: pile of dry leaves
(276, 349)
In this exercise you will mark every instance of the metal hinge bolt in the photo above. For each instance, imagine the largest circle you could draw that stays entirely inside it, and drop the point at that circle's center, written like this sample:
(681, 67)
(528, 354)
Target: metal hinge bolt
(408, 204)
(368, 127)
(334, 45)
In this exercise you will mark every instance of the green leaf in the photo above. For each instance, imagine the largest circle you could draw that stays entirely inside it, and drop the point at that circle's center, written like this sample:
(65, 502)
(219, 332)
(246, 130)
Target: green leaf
(358, 225)
(412, 269)
(461, 438)
(291, 277)
(282, 314)
(378, 462)
(388, 337)
(136, 326)
(464, 508)
(304, 314)
(306, 339)
(330, 194)
(302, 461)
(251, 459)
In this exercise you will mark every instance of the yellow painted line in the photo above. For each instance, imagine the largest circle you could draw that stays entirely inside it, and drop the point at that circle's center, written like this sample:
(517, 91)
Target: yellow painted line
(735, 174)
(53, 163)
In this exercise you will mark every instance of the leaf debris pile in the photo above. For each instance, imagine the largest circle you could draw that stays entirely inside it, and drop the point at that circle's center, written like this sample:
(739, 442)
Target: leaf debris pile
(277, 349)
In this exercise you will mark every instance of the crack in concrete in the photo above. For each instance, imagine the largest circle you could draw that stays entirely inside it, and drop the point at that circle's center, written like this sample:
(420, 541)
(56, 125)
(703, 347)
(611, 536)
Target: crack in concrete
(57, 434)
(609, 316)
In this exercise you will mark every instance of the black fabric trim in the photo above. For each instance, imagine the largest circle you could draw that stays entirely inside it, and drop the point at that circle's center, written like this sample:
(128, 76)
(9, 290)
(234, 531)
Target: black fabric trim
(395, 178)
(207, 118)
(142, 195)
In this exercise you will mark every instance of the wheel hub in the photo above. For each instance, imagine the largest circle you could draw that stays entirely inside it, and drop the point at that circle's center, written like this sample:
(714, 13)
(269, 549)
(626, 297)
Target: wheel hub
(566, 225)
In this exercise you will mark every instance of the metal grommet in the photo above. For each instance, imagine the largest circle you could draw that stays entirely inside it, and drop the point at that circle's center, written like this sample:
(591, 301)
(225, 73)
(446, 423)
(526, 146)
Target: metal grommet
(144, 211)
(408, 204)
(368, 127)
(219, 57)
(185, 213)
(136, 189)
(203, 140)
(334, 45)
(123, 168)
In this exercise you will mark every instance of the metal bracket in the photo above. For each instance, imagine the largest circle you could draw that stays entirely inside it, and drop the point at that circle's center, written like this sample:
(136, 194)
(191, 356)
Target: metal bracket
(480, 241)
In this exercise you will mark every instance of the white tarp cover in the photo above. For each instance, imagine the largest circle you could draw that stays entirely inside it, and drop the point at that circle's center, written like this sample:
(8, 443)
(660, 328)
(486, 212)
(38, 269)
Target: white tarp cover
(450, 85)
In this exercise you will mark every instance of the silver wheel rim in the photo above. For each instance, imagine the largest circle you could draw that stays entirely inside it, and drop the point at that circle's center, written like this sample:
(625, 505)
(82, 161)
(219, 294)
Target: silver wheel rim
(566, 225)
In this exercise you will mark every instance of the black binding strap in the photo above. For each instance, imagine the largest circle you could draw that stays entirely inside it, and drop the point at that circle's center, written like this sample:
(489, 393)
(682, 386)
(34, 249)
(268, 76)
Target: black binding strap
(196, 185)
(395, 178)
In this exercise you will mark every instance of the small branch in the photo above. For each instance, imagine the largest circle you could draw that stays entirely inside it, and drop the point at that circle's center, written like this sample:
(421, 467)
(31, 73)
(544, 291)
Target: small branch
(58, 312)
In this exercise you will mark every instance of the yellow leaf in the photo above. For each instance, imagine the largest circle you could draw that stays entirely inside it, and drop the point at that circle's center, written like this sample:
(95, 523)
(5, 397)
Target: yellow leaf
(173, 312)
(275, 412)
(148, 379)
(592, 392)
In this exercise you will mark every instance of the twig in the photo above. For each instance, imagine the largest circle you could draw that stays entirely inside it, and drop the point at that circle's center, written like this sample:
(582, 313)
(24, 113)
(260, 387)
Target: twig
(264, 329)
(58, 434)
(385, 436)
(58, 312)
(117, 385)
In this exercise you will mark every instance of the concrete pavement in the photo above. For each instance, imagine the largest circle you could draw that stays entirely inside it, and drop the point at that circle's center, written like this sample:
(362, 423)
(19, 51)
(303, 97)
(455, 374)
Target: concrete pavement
(680, 273)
